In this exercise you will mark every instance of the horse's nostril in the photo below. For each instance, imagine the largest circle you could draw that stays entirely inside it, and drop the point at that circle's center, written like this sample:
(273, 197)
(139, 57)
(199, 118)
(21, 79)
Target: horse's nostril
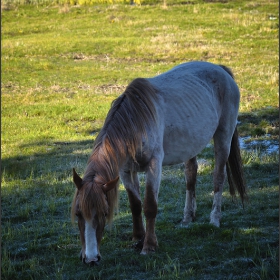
(93, 263)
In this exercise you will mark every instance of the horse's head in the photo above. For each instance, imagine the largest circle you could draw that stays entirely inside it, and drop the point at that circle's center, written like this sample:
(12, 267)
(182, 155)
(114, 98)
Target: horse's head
(91, 207)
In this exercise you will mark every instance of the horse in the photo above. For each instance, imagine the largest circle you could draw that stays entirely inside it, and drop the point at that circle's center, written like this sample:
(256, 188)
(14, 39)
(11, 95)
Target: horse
(163, 120)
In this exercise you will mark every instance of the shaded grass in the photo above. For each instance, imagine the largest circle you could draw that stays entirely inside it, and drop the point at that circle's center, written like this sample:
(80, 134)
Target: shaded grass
(246, 245)
(62, 69)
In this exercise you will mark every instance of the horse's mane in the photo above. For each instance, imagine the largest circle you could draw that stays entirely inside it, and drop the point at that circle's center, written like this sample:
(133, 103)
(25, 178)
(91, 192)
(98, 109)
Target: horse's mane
(131, 114)
(127, 120)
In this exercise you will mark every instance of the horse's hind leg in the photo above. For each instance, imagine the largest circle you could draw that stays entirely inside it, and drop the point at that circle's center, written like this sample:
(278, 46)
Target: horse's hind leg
(190, 204)
(222, 148)
(131, 183)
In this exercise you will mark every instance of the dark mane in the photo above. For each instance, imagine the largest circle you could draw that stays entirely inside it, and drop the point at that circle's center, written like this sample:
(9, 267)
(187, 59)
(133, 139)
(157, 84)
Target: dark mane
(121, 136)
(129, 117)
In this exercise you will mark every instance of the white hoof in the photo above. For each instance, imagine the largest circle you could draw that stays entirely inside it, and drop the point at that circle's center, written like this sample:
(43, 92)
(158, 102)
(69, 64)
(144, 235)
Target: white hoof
(186, 221)
(215, 218)
(215, 223)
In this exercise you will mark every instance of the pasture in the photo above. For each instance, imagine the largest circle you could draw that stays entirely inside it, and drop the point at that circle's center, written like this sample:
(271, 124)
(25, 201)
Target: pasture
(62, 66)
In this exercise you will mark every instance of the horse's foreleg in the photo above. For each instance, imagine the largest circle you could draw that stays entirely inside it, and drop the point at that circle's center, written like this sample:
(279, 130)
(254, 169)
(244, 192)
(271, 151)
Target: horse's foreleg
(150, 205)
(131, 183)
(190, 204)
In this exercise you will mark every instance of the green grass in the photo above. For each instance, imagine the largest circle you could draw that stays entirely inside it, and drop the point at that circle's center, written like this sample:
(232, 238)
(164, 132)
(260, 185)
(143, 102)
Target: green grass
(62, 66)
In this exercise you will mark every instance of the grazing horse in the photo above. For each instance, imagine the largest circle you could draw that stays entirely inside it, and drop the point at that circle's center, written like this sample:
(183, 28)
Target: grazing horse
(164, 120)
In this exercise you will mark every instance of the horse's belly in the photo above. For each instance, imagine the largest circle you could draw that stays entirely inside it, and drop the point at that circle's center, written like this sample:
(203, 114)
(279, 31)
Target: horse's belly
(181, 150)
(187, 137)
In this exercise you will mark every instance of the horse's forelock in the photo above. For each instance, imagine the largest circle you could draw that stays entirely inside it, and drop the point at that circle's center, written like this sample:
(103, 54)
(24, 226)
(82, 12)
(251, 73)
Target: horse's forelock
(91, 196)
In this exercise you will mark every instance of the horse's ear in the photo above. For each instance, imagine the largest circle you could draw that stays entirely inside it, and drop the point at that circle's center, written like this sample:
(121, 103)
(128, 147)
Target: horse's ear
(110, 185)
(77, 179)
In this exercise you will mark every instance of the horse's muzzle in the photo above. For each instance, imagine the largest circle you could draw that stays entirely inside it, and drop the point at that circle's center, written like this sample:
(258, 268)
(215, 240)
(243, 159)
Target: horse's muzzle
(92, 262)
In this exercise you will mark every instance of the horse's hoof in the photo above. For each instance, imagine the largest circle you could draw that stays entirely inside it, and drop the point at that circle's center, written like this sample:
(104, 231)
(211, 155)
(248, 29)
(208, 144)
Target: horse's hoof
(215, 223)
(184, 225)
(143, 253)
(147, 251)
(187, 222)
(139, 245)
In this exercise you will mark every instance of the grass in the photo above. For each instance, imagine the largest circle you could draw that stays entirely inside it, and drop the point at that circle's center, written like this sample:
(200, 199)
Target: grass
(62, 66)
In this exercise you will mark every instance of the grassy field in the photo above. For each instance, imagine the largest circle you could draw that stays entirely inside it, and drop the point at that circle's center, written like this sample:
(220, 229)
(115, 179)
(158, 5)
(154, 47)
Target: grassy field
(62, 65)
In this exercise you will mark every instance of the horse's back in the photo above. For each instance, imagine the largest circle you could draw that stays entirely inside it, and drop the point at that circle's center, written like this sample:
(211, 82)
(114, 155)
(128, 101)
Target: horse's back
(196, 73)
(192, 99)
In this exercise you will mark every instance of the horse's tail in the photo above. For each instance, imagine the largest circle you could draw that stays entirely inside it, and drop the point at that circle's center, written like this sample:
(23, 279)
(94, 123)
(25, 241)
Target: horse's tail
(235, 170)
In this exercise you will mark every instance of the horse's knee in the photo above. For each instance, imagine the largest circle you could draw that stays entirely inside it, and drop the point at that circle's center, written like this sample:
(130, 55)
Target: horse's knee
(135, 203)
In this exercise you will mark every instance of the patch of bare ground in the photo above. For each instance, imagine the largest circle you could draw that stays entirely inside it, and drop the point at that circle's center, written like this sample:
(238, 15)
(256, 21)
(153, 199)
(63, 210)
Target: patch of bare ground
(110, 59)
